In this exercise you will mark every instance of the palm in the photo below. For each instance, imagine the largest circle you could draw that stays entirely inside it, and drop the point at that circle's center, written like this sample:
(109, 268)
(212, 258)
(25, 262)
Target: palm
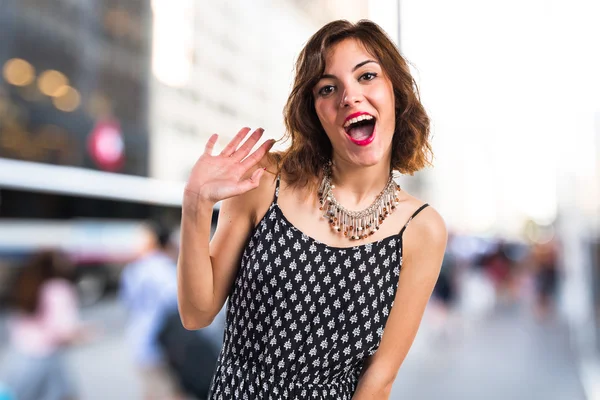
(217, 177)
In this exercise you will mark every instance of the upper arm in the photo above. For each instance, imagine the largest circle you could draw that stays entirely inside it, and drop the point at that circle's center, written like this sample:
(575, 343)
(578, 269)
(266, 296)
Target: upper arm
(424, 242)
(237, 218)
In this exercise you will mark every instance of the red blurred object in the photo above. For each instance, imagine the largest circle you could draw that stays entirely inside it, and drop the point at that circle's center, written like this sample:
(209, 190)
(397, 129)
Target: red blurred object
(106, 145)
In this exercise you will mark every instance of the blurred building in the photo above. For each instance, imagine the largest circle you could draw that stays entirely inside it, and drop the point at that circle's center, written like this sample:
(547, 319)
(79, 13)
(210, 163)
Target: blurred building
(74, 132)
(73, 92)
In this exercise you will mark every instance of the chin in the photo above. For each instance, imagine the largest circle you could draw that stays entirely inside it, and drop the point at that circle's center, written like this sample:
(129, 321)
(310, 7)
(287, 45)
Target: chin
(368, 158)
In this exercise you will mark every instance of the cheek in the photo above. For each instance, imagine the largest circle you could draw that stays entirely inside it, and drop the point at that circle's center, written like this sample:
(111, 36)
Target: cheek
(325, 113)
(387, 105)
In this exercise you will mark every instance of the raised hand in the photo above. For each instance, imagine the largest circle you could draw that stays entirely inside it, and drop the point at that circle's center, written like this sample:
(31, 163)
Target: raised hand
(215, 178)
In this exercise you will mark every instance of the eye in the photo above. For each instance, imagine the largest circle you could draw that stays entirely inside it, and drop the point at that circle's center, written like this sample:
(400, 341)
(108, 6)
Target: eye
(326, 90)
(367, 76)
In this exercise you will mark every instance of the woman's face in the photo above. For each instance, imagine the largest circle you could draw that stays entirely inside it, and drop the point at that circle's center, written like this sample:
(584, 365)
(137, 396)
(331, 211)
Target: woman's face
(354, 101)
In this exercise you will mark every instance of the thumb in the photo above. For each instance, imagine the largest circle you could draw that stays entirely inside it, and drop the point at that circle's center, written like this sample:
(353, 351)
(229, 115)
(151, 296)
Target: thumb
(252, 182)
(256, 175)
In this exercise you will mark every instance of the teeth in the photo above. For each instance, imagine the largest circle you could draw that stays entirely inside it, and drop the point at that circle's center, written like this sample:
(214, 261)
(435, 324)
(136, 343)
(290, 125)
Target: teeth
(357, 119)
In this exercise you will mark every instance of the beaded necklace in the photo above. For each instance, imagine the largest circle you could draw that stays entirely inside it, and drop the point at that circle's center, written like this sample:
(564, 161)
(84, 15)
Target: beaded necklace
(356, 225)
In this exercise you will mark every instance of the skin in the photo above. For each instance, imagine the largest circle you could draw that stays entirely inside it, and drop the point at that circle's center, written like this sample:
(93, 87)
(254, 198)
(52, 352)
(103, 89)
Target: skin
(207, 270)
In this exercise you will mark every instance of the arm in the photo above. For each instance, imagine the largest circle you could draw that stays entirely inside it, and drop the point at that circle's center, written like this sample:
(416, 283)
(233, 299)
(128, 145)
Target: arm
(205, 271)
(424, 242)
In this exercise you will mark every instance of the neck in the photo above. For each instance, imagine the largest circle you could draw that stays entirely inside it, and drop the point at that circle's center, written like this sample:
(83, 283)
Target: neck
(356, 187)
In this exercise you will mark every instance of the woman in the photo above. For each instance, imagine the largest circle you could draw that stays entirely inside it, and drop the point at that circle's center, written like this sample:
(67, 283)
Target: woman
(310, 302)
(45, 322)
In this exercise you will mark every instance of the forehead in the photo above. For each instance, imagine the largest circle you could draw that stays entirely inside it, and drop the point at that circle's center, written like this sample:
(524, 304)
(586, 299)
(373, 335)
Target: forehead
(346, 54)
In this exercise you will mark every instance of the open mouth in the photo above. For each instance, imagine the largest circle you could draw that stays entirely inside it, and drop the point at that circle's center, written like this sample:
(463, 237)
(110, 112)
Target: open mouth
(361, 129)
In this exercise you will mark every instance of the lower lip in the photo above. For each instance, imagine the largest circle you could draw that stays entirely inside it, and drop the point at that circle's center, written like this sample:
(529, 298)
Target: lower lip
(363, 142)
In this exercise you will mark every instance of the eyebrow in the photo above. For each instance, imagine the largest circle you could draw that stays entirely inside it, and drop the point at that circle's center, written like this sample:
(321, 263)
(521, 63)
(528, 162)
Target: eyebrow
(357, 66)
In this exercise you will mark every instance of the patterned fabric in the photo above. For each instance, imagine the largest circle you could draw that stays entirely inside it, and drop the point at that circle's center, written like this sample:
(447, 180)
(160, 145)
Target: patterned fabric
(303, 316)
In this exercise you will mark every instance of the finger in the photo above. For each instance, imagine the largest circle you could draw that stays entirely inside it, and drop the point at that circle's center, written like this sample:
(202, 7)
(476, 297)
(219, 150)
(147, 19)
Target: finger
(258, 155)
(230, 148)
(252, 182)
(211, 144)
(245, 148)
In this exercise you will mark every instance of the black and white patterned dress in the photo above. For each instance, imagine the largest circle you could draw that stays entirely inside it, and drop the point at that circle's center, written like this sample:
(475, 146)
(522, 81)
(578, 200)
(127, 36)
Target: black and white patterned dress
(303, 316)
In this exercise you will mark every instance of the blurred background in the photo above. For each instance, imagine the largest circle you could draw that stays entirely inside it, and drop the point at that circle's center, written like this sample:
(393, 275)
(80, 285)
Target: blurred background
(105, 106)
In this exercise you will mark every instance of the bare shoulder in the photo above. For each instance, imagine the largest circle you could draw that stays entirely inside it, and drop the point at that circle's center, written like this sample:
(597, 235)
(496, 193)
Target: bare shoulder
(425, 236)
(428, 226)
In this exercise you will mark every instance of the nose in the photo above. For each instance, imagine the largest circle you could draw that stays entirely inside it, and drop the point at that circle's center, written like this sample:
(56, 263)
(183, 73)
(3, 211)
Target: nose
(351, 96)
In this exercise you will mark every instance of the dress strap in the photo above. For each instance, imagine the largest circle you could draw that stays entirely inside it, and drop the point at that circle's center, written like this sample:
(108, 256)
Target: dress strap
(412, 216)
(276, 195)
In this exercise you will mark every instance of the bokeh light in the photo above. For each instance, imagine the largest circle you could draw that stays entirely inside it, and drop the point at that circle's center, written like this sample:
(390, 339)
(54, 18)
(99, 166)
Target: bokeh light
(53, 83)
(18, 72)
(68, 101)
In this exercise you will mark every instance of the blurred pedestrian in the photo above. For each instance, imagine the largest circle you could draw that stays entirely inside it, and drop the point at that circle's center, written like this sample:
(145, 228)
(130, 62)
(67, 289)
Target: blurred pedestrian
(45, 322)
(500, 270)
(309, 297)
(546, 274)
(444, 296)
(149, 292)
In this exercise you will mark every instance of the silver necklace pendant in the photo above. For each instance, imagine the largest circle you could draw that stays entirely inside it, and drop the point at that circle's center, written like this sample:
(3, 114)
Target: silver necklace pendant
(356, 225)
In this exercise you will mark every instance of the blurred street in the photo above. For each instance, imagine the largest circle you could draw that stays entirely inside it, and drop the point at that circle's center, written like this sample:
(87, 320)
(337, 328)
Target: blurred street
(506, 356)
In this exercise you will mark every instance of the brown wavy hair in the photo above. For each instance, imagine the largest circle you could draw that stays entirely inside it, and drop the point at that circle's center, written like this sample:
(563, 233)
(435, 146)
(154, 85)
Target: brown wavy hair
(310, 147)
